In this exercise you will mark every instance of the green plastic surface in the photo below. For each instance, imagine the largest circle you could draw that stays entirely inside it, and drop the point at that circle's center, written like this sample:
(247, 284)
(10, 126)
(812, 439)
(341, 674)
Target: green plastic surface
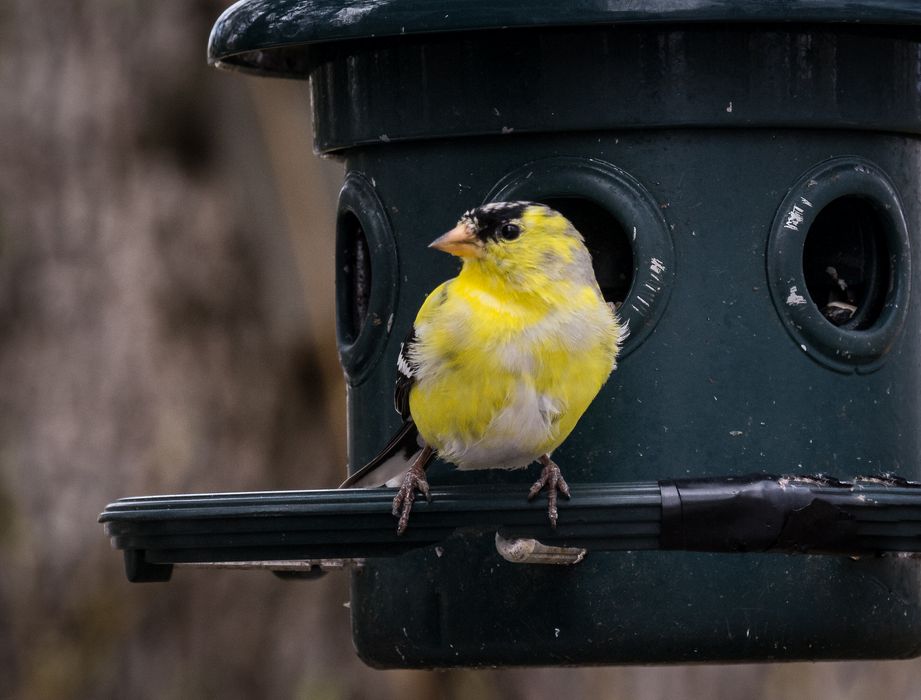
(717, 385)
(600, 79)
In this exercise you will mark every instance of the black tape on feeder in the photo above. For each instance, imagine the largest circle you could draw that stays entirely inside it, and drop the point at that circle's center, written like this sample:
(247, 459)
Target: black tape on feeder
(753, 514)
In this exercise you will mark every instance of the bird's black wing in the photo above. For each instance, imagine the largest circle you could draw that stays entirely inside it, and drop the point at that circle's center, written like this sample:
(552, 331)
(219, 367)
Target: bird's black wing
(390, 462)
(403, 447)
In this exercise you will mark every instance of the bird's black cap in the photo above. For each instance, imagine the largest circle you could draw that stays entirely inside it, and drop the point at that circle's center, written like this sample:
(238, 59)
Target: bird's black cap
(488, 219)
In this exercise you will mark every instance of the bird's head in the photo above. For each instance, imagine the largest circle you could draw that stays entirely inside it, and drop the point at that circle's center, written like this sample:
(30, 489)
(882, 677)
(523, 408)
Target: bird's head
(525, 243)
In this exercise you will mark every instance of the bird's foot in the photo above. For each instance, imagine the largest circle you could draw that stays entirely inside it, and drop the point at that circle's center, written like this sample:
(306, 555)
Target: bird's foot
(552, 478)
(413, 480)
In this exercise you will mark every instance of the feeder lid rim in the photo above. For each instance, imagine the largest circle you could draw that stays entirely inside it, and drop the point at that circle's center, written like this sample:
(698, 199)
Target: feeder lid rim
(252, 35)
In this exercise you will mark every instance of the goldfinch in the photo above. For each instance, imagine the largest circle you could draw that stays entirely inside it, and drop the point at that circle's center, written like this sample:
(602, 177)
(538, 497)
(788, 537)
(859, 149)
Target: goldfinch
(503, 359)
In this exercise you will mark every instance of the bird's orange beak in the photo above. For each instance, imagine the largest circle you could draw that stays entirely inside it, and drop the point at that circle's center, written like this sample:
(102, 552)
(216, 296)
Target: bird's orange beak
(460, 241)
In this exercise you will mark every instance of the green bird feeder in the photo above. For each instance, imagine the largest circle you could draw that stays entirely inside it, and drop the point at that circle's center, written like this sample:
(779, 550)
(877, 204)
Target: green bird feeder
(746, 177)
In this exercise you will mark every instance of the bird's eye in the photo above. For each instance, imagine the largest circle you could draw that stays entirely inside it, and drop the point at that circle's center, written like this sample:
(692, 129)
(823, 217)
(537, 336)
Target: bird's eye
(510, 231)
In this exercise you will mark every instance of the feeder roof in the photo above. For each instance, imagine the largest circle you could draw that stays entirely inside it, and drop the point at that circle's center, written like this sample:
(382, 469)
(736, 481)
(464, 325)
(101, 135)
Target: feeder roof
(268, 37)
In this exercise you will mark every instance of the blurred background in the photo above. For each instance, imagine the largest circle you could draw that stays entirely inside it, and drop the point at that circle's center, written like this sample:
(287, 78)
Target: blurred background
(166, 325)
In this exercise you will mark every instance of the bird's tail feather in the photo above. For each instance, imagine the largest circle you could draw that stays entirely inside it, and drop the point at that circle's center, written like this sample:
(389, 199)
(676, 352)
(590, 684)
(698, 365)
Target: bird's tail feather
(391, 462)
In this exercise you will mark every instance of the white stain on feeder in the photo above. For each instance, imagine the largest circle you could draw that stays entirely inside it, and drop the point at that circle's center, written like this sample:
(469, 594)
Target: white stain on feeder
(656, 268)
(353, 13)
(796, 215)
(794, 298)
(794, 218)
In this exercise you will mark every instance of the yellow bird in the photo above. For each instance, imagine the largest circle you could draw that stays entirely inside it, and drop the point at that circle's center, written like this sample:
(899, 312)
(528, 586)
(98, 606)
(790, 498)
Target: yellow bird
(502, 360)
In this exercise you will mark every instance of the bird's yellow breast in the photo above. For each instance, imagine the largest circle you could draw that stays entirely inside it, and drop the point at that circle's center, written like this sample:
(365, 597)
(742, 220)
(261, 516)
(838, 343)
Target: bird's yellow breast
(504, 374)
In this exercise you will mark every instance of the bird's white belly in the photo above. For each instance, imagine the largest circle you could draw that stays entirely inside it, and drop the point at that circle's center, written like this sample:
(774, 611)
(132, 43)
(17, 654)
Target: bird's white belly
(515, 437)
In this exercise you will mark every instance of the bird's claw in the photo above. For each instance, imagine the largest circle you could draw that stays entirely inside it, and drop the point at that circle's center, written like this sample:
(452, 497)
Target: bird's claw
(413, 480)
(552, 478)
